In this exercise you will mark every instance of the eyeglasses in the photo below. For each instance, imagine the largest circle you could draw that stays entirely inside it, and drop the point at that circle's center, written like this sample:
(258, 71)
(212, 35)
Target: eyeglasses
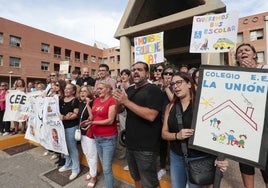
(168, 73)
(53, 75)
(158, 70)
(177, 83)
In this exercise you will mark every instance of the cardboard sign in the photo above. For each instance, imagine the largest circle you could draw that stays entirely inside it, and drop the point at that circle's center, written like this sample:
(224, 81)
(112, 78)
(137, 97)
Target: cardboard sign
(229, 116)
(214, 33)
(149, 48)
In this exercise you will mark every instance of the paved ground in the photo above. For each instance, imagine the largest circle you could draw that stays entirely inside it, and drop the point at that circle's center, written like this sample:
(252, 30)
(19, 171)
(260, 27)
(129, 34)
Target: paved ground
(27, 169)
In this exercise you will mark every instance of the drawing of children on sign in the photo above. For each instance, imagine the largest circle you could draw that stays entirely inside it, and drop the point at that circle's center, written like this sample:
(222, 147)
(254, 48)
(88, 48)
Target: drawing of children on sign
(241, 142)
(230, 137)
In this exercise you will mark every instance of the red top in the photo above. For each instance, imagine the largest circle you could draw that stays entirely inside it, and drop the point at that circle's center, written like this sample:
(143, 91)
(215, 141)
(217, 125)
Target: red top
(100, 111)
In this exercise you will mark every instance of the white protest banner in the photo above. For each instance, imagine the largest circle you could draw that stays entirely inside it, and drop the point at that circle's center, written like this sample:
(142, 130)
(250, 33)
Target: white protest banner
(64, 67)
(149, 48)
(214, 33)
(16, 108)
(54, 129)
(35, 104)
(44, 126)
(230, 109)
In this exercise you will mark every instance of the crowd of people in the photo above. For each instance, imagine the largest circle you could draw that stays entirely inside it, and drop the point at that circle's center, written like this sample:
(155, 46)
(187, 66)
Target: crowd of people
(143, 108)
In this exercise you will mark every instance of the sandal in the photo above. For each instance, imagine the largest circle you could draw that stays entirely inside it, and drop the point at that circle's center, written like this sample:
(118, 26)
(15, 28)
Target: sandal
(88, 177)
(92, 182)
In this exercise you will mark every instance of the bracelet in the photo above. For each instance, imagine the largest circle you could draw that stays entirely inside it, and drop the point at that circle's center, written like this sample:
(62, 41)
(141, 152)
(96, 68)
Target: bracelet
(176, 136)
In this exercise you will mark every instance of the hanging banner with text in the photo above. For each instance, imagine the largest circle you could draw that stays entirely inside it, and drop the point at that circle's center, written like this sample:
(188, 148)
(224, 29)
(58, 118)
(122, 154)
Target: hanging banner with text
(42, 114)
(214, 33)
(16, 108)
(64, 67)
(149, 48)
(230, 109)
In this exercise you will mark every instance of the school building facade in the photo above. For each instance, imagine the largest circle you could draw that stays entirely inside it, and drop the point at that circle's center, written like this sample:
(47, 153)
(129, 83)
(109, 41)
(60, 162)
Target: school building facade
(31, 54)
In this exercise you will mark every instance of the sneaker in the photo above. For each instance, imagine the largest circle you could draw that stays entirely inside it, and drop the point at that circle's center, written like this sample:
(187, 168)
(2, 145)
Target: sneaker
(161, 173)
(126, 168)
(6, 133)
(54, 156)
(73, 175)
(63, 169)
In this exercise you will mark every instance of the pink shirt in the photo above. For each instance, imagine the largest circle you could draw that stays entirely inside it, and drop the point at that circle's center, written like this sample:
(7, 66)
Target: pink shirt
(3, 103)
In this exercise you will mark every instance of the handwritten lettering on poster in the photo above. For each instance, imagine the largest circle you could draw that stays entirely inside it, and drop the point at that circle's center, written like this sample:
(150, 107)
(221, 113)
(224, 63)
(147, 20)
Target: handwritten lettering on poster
(214, 33)
(149, 48)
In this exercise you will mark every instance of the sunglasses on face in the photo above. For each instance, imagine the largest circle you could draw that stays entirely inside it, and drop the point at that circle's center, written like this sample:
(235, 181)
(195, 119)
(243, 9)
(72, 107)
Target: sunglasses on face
(168, 73)
(158, 70)
(52, 75)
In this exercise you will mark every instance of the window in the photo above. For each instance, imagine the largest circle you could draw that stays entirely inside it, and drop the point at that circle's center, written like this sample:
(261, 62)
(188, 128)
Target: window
(112, 59)
(1, 38)
(93, 72)
(77, 56)
(44, 66)
(239, 37)
(93, 59)
(256, 35)
(105, 60)
(14, 62)
(44, 47)
(118, 59)
(99, 60)
(57, 52)
(1, 60)
(15, 41)
(85, 57)
(68, 54)
(260, 56)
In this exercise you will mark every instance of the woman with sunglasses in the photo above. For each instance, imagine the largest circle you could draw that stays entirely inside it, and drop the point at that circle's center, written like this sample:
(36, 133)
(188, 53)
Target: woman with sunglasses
(158, 75)
(184, 96)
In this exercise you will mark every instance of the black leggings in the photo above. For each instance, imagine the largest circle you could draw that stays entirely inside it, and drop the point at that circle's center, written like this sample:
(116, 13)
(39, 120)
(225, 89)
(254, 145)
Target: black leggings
(250, 170)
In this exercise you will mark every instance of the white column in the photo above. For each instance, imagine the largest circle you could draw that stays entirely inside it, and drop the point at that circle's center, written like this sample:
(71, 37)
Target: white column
(125, 53)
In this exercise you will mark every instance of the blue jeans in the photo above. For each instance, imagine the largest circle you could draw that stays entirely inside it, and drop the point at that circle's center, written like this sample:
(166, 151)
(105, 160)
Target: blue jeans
(72, 160)
(179, 173)
(106, 149)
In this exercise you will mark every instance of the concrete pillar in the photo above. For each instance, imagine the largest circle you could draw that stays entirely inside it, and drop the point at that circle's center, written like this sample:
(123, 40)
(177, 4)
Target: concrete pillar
(212, 58)
(125, 53)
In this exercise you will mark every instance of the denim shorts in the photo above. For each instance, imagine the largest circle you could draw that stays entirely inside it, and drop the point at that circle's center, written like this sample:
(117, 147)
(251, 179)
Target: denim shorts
(143, 166)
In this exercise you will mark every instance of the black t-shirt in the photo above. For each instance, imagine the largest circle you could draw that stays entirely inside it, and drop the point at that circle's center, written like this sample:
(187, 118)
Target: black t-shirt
(173, 127)
(87, 81)
(141, 134)
(65, 108)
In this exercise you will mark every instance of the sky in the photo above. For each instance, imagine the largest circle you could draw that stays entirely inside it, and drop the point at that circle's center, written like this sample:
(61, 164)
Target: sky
(87, 21)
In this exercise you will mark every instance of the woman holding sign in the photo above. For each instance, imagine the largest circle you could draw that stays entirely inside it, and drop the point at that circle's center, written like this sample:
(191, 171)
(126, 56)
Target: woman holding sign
(246, 56)
(178, 133)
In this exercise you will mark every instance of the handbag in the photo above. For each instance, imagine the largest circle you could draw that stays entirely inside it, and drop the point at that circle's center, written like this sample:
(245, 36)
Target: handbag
(201, 171)
(77, 133)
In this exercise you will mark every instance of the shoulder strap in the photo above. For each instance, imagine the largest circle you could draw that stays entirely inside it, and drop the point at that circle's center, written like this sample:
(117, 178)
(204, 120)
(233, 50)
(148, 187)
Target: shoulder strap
(180, 123)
